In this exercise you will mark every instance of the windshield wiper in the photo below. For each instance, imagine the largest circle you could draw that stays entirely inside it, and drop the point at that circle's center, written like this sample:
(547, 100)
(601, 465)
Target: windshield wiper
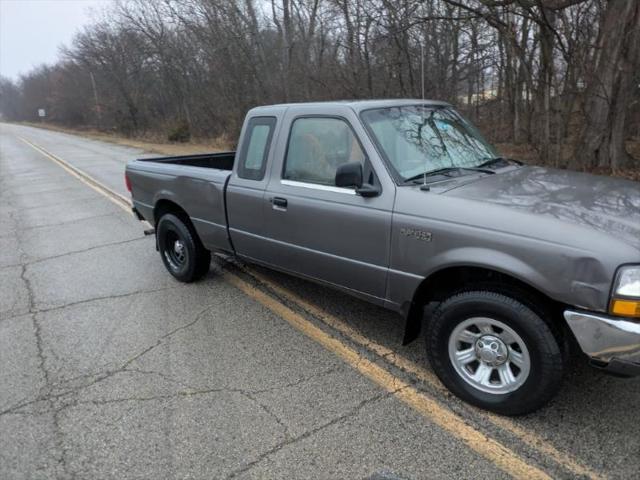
(446, 171)
(492, 162)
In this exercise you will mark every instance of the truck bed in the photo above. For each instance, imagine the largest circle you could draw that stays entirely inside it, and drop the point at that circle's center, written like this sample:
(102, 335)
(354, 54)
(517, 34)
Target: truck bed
(194, 182)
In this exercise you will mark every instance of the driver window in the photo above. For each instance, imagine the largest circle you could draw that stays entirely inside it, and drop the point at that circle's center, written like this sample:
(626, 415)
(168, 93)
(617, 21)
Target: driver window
(317, 147)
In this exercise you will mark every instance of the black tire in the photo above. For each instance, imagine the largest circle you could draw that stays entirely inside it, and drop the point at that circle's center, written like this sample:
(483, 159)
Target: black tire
(189, 262)
(545, 351)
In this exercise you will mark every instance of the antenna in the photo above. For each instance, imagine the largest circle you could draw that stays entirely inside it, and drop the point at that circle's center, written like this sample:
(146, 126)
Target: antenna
(422, 39)
(422, 67)
(422, 50)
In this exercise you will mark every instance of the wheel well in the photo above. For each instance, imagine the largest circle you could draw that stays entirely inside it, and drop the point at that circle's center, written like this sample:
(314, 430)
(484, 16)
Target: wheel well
(167, 206)
(163, 207)
(446, 282)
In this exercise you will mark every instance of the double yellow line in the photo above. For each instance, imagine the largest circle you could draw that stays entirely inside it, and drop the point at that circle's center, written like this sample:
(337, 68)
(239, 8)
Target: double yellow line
(424, 403)
(114, 197)
(531, 439)
(492, 450)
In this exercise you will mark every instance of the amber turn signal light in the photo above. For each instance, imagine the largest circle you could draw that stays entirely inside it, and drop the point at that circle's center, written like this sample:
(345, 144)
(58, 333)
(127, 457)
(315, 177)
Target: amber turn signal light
(626, 308)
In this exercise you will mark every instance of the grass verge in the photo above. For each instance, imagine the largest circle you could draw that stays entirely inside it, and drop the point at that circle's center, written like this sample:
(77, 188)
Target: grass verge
(154, 144)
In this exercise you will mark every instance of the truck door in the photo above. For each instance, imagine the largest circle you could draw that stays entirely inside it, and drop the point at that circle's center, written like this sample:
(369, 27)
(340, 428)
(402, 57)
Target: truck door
(245, 193)
(316, 229)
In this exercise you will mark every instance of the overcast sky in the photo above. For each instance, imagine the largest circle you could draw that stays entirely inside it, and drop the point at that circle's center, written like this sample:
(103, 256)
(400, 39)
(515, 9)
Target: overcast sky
(32, 30)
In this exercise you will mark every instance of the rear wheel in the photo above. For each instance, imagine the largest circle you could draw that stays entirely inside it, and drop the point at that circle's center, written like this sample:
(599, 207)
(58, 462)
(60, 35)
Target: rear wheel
(182, 253)
(495, 352)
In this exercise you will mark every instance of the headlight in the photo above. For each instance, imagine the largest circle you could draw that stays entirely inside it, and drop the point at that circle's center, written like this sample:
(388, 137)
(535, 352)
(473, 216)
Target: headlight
(626, 292)
(628, 282)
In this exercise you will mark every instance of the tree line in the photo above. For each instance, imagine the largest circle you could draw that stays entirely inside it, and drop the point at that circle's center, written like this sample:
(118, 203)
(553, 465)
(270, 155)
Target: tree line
(559, 75)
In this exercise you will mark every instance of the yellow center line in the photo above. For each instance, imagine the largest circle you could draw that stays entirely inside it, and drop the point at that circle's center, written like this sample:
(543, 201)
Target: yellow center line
(527, 437)
(88, 180)
(503, 457)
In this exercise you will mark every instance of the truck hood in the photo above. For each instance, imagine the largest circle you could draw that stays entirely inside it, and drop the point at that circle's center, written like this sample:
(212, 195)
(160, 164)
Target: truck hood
(609, 205)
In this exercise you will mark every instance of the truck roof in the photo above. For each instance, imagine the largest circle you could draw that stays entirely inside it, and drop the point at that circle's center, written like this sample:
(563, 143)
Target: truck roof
(356, 105)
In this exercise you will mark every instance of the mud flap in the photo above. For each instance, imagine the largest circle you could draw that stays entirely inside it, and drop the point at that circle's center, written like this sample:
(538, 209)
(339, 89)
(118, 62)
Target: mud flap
(413, 324)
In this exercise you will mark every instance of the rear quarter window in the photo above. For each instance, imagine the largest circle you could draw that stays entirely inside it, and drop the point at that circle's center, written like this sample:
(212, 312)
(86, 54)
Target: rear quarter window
(252, 159)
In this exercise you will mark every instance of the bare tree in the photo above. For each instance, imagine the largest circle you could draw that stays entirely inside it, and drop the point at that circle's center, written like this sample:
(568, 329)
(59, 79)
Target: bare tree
(558, 75)
(610, 88)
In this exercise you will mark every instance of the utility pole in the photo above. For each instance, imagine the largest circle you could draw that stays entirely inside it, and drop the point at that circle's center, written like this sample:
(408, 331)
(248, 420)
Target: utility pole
(95, 97)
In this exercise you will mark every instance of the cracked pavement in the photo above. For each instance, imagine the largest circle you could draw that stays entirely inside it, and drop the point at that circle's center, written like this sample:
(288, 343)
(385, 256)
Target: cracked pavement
(109, 368)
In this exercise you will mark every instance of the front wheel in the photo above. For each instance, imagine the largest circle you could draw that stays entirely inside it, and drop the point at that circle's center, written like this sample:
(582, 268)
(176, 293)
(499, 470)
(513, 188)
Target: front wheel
(182, 253)
(495, 352)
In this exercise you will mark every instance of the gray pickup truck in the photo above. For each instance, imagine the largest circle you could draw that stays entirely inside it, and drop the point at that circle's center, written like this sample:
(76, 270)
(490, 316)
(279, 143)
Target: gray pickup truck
(404, 204)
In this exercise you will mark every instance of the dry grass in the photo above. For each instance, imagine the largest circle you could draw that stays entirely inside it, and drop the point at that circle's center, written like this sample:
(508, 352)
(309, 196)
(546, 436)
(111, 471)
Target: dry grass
(154, 144)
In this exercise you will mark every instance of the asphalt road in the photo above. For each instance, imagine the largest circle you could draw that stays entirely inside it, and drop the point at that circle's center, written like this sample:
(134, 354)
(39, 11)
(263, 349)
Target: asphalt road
(109, 368)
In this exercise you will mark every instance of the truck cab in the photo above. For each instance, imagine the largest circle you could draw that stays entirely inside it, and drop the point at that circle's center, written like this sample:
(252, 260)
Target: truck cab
(308, 225)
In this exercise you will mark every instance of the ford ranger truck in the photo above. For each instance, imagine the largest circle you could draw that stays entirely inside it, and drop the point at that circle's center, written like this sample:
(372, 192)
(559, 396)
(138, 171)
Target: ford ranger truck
(404, 204)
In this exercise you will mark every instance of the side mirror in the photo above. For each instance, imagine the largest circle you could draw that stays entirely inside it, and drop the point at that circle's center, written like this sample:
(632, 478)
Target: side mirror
(349, 175)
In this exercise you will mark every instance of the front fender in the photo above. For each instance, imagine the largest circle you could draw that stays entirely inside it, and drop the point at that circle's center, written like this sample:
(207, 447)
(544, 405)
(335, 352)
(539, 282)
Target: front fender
(489, 259)
(568, 276)
(573, 287)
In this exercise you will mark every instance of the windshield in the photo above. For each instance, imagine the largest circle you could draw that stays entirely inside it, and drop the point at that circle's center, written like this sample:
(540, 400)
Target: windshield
(420, 139)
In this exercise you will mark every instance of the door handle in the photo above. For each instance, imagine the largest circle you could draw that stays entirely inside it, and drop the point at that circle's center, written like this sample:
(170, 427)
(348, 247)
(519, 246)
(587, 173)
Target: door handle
(279, 203)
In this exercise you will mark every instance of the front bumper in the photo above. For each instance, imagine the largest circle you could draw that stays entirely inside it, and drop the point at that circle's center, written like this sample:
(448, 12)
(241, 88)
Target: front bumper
(612, 343)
